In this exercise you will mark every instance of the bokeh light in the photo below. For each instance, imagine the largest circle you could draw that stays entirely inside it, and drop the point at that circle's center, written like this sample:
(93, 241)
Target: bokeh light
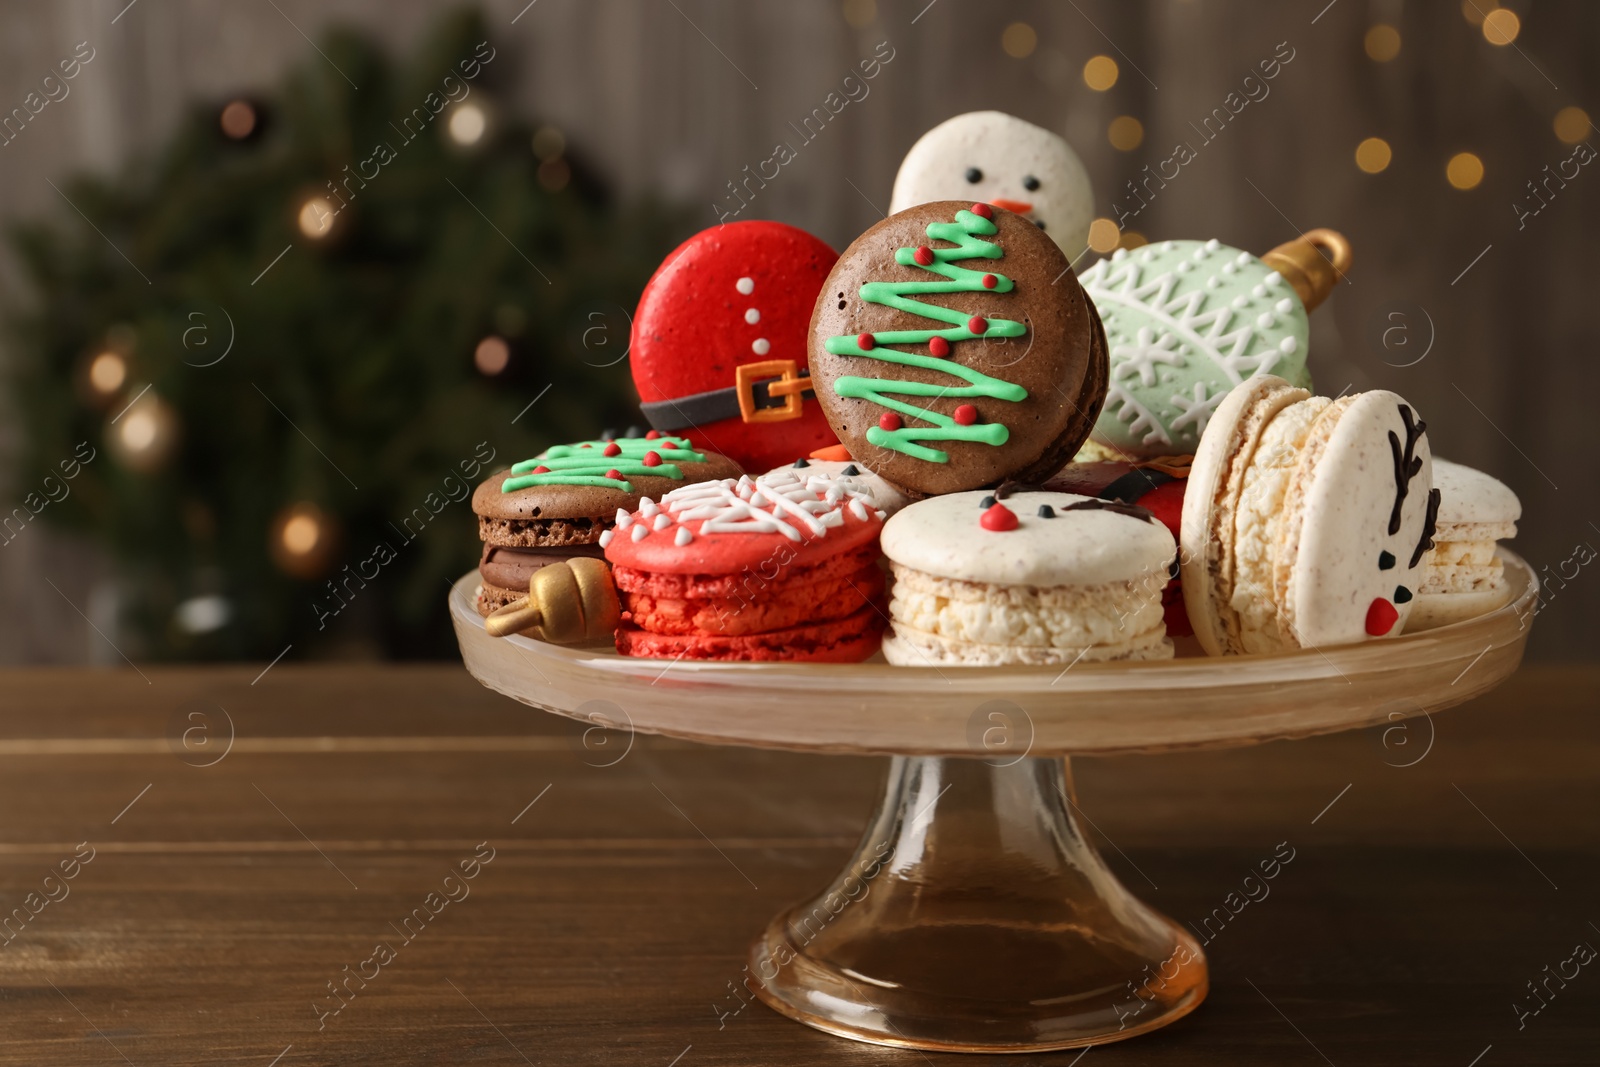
(1572, 125)
(1103, 235)
(1464, 170)
(1019, 40)
(1125, 133)
(1382, 43)
(1501, 26)
(1100, 73)
(1373, 155)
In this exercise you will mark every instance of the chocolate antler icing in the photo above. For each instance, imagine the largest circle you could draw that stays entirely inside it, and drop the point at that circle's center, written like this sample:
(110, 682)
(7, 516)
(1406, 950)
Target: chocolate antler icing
(1425, 542)
(1406, 467)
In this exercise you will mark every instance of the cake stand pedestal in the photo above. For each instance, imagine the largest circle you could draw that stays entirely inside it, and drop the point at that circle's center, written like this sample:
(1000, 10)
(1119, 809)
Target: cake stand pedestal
(974, 915)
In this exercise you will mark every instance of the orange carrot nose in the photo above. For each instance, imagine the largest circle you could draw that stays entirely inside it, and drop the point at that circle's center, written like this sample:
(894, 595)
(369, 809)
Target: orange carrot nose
(1021, 207)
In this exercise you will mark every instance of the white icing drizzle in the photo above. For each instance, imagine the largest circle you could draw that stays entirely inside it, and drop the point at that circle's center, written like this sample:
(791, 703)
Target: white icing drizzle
(791, 502)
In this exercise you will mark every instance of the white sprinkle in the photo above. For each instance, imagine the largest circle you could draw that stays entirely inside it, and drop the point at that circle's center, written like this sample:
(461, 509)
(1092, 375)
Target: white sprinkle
(882, 515)
(640, 532)
(1266, 320)
(745, 285)
(1119, 255)
(624, 520)
(1242, 258)
(1285, 306)
(761, 346)
(1288, 345)
(684, 537)
(1274, 280)
(1184, 268)
(1200, 254)
(605, 537)
(1240, 303)
(1213, 283)
(858, 509)
(1230, 268)
(752, 316)
(663, 520)
(1212, 245)
(1259, 290)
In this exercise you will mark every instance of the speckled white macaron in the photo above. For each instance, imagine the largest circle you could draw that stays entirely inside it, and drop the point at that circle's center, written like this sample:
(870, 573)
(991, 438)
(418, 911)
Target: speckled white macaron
(1462, 577)
(1033, 578)
(846, 475)
(1306, 519)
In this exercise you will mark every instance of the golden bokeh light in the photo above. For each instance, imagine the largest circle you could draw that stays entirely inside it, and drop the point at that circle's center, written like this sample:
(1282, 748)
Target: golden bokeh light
(1100, 73)
(491, 356)
(1373, 155)
(467, 123)
(1103, 235)
(860, 13)
(107, 372)
(1464, 170)
(1474, 10)
(1125, 133)
(1132, 239)
(1382, 43)
(316, 217)
(1019, 40)
(238, 120)
(1501, 26)
(1572, 125)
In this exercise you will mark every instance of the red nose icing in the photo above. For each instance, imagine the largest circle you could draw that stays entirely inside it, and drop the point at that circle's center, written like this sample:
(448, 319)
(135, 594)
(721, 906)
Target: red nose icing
(1381, 617)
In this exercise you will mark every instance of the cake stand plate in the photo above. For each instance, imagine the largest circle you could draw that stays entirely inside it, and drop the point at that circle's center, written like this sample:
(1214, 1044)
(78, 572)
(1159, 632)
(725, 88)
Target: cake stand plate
(974, 915)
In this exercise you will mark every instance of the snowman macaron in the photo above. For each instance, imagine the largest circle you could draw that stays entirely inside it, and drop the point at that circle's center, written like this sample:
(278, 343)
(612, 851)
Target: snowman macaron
(998, 159)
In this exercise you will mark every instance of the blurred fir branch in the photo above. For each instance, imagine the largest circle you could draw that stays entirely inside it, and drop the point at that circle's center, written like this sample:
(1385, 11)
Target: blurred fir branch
(364, 339)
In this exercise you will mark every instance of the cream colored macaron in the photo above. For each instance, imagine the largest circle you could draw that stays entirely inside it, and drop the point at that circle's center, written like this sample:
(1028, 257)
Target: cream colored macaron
(1306, 519)
(1033, 578)
(1462, 577)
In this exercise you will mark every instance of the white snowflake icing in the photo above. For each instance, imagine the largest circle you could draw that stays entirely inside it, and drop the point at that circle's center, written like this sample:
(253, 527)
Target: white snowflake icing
(1196, 409)
(1140, 419)
(1141, 357)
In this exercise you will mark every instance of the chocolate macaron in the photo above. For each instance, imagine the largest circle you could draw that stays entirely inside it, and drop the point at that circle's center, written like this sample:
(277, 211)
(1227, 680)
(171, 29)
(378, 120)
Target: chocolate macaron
(556, 505)
(953, 348)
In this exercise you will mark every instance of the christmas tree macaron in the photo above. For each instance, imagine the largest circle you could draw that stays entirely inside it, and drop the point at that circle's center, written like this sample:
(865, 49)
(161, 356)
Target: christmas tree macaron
(718, 349)
(952, 348)
(1306, 520)
(1187, 321)
(558, 504)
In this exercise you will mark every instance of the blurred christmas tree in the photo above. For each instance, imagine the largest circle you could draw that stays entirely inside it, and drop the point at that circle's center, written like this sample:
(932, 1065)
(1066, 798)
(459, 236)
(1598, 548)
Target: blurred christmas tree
(294, 330)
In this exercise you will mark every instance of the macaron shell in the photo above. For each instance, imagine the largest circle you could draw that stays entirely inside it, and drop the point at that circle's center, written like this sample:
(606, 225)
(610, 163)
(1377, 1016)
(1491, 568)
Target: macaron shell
(943, 536)
(1471, 496)
(1210, 500)
(848, 640)
(1187, 321)
(590, 501)
(1338, 513)
(731, 295)
(1060, 361)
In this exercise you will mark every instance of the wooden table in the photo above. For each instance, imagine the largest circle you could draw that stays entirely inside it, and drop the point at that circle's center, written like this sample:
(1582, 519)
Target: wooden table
(610, 906)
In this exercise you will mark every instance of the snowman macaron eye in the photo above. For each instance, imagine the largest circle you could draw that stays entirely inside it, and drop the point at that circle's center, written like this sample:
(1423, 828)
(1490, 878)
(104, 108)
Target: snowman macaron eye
(1031, 184)
(974, 175)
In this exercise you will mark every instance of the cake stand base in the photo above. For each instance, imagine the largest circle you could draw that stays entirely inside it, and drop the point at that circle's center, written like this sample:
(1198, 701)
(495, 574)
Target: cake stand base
(975, 917)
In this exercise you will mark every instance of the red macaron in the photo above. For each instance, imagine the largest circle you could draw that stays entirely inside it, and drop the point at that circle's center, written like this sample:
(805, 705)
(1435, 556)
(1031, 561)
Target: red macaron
(782, 567)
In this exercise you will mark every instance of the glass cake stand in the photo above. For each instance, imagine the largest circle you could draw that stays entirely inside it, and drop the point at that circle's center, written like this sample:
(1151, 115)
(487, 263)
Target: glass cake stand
(974, 915)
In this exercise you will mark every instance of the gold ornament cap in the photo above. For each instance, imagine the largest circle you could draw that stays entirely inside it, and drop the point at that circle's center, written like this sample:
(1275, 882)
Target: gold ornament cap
(574, 600)
(1312, 264)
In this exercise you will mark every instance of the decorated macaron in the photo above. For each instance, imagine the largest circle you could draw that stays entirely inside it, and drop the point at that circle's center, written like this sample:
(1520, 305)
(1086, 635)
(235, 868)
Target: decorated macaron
(1187, 321)
(781, 567)
(952, 348)
(999, 159)
(1157, 488)
(1034, 577)
(555, 506)
(845, 475)
(719, 350)
(1306, 520)
(1461, 576)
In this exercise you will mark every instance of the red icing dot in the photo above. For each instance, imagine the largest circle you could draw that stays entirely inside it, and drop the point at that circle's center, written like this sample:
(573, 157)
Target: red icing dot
(998, 517)
(889, 421)
(613, 449)
(1381, 617)
(668, 444)
(865, 341)
(966, 415)
(614, 474)
(977, 325)
(923, 255)
(938, 346)
(651, 459)
(541, 469)
(983, 211)
(586, 444)
(651, 435)
(990, 281)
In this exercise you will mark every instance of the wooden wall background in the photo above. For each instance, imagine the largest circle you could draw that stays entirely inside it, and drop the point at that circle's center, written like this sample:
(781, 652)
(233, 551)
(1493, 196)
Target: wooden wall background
(676, 96)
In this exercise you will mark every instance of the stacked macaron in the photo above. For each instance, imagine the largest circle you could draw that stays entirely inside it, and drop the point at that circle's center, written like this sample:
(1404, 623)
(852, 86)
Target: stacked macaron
(1305, 520)
(558, 504)
(781, 567)
(1034, 578)
(1461, 576)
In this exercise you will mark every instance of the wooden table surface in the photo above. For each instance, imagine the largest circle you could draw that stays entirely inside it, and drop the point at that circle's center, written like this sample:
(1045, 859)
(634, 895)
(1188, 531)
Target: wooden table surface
(218, 892)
